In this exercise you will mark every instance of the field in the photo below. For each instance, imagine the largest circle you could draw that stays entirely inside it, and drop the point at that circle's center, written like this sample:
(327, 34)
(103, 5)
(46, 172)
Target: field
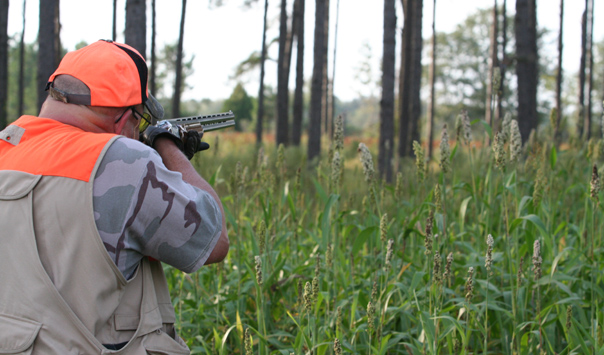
(475, 251)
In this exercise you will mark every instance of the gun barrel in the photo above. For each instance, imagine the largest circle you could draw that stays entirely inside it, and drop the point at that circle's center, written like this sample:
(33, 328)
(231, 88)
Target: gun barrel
(206, 122)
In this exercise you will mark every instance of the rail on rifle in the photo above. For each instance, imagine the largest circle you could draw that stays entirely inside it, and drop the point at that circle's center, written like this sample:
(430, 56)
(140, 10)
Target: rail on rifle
(205, 123)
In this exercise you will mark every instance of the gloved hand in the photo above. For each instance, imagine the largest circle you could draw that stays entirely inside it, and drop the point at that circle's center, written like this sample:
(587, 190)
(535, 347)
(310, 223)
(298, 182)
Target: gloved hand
(193, 144)
(150, 135)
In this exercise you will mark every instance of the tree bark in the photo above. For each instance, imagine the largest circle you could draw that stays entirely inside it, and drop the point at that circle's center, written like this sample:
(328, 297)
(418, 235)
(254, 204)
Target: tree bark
(21, 90)
(260, 114)
(582, 66)
(114, 26)
(416, 71)
(325, 106)
(3, 62)
(559, 77)
(386, 142)
(314, 130)
(432, 82)
(503, 62)
(590, 65)
(153, 69)
(178, 83)
(527, 67)
(299, 92)
(332, 103)
(404, 78)
(282, 80)
(49, 45)
(136, 25)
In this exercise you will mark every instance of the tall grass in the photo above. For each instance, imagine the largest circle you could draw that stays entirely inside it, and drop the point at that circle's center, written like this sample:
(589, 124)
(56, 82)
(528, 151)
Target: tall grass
(370, 252)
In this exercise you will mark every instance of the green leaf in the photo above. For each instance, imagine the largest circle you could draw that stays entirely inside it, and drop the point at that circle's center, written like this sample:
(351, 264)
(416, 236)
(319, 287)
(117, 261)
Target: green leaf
(463, 209)
(325, 221)
(360, 240)
(487, 127)
(534, 219)
(214, 176)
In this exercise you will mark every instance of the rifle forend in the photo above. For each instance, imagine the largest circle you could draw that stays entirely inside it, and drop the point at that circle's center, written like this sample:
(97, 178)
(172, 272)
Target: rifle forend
(205, 123)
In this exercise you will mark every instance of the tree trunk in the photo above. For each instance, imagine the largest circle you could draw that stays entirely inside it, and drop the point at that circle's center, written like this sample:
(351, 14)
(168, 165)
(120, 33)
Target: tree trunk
(590, 64)
(325, 98)
(332, 105)
(432, 81)
(493, 62)
(581, 118)
(314, 129)
(153, 69)
(49, 45)
(387, 103)
(261, 88)
(114, 26)
(282, 84)
(299, 93)
(502, 63)
(178, 85)
(416, 71)
(527, 68)
(3, 62)
(404, 78)
(136, 25)
(559, 77)
(21, 90)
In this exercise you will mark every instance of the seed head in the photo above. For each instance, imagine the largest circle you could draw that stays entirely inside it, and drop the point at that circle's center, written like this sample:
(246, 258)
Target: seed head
(374, 291)
(594, 184)
(338, 133)
(315, 289)
(569, 317)
(258, 269)
(437, 198)
(470, 285)
(329, 256)
(506, 126)
(445, 151)
(519, 274)
(336, 171)
(370, 316)
(428, 237)
(537, 259)
(339, 318)
(419, 161)
(261, 231)
(499, 151)
(389, 252)
(367, 162)
(307, 297)
(515, 141)
(489, 257)
(248, 342)
(436, 270)
(384, 228)
(447, 272)
(337, 347)
(466, 127)
(317, 265)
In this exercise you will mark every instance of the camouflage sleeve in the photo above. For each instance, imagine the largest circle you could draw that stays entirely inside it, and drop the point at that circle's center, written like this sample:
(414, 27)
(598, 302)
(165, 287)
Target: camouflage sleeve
(143, 209)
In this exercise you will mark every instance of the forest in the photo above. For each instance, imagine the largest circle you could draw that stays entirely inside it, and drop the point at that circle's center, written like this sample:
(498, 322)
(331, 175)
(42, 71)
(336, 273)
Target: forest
(456, 209)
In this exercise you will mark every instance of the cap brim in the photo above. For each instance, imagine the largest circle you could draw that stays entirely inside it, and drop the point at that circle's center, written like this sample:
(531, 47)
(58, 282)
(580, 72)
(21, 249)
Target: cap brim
(154, 107)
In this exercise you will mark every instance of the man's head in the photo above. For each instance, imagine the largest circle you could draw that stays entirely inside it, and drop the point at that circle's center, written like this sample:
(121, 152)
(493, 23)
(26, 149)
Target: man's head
(107, 77)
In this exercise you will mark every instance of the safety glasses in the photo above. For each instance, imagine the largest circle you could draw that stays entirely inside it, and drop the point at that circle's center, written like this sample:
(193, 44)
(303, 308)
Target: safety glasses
(144, 118)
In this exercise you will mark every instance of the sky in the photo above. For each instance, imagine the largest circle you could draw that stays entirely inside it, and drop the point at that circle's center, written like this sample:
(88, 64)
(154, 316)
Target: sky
(220, 38)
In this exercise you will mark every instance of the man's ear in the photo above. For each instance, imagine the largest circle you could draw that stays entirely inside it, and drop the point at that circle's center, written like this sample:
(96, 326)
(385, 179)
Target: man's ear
(118, 126)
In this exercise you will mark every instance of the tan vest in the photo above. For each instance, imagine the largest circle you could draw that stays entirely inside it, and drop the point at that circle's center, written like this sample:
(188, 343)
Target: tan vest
(50, 302)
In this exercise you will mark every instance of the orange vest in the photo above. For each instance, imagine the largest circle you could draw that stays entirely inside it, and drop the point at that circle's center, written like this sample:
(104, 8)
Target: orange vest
(61, 293)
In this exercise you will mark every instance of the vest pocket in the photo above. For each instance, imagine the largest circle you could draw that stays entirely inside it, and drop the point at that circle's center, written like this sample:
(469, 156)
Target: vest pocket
(160, 343)
(17, 335)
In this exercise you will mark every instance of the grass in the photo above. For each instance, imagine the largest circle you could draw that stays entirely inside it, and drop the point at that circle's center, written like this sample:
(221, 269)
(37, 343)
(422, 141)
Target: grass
(335, 235)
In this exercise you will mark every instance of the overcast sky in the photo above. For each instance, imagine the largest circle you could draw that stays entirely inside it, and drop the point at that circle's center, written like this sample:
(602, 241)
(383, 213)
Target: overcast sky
(220, 38)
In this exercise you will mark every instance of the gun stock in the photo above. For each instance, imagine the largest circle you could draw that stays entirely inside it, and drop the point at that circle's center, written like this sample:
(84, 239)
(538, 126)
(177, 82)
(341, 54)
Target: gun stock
(205, 123)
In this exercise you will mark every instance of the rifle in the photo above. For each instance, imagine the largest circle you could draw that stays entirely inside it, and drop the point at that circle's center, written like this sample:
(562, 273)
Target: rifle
(203, 123)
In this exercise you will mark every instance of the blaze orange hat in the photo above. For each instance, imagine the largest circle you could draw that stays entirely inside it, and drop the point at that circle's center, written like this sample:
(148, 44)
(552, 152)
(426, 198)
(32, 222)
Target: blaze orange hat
(115, 73)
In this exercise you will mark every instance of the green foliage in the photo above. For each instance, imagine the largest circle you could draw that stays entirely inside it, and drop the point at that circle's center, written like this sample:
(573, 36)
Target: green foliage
(414, 305)
(29, 78)
(241, 104)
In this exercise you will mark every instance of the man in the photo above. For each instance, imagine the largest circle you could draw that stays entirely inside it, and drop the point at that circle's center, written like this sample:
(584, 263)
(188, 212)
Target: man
(88, 212)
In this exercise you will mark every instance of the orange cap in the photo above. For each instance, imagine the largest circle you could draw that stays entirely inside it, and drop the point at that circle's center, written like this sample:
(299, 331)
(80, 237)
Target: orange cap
(115, 73)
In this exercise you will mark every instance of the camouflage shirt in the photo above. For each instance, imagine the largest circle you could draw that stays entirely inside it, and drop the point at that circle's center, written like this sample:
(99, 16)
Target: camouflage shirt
(143, 209)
